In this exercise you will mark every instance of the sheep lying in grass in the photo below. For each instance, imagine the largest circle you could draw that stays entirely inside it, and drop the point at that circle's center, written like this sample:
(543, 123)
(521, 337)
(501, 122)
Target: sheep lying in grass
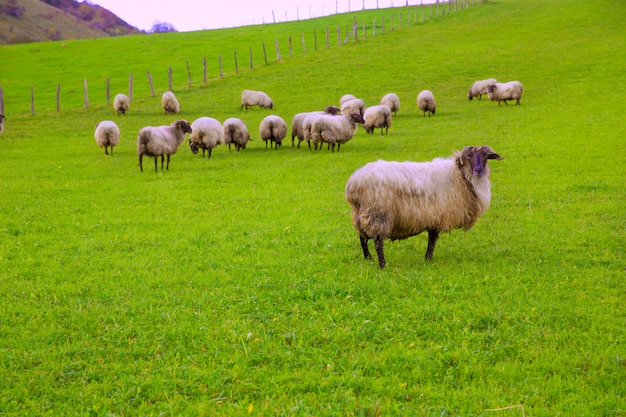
(479, 88)
(107, 135)
(353, 106)
(297, 123)
(392, 101)
(251, 98)
(334, 129)
(121, 104)
(160, 141)
(273, 129)
(397, 200)
(235, 131)
(377, 116)
(169, 103)
(206, 134)
(426, 102)
(505, 91)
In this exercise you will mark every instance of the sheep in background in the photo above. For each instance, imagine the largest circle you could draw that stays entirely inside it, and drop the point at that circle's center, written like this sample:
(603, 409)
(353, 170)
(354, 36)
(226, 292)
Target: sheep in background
(479, 88)
(169, 103)
(251, 98)
(334, 129)
(397, 200)
(426, 102)
(274, 129)
(107, 135)
(344, 98)
(121, 104)
(161, 141)
(505, 91)
(1, 123)
(297, 128)
(377, 116)
(206, 134)
(353, 106)
(392, 101)
(235, 131)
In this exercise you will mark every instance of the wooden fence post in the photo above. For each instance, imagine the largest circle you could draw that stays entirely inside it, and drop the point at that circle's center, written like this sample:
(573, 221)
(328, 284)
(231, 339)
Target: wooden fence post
(236, 64)
(169, 75)
(58, 99)
(130, 87)
(290, 49)
(277, 50)
(85, 93)
(188, 75)
(315, 38)
(327, 39)
(264, 53)
(151, 84)
(338, 35)
(251, 66)
(108, 91)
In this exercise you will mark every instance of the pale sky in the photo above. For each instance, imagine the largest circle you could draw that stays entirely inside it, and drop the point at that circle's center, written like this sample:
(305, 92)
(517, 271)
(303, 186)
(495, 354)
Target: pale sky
(190, 15)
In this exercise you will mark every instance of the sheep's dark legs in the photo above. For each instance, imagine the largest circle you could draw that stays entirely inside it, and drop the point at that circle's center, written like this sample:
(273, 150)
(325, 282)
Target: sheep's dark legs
(366, 251)
(168, 163)
(433, 235)
(140, 162)
(210, 149)
(378, 244)
(156, 164)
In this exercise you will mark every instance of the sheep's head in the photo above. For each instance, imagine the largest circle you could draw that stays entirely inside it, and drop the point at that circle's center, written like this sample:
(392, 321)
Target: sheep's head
(357, 118)
(491, 88)
(476, 157)
(183, 125)
(193, 146)
(331, 110)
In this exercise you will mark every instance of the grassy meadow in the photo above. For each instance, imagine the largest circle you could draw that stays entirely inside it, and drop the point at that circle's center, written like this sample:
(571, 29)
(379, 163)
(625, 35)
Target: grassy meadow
(237, 286)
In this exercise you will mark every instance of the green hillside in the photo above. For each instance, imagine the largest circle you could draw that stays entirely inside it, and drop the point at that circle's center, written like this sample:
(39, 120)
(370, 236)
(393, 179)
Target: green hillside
(237, 285)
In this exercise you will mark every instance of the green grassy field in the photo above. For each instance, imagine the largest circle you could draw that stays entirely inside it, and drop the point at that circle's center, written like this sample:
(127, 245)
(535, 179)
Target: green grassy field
(236, 285)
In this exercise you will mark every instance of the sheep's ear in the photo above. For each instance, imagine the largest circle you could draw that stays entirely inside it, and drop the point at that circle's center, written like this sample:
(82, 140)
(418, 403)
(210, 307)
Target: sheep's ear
(490, 154)
(494, 156)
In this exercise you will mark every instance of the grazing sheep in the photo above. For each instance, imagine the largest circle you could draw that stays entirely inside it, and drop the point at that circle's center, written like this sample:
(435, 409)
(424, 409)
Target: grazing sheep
(397, 200)
(298, 120)
(334, 129)
(121, 104)
(392, 101)
(206, 134)
(107, 135)
(1, 123)
(353, 106)
(160, 141)
(377, 116)
(274, 129)
(426, 102)
(505, 91)
(479, 88)
(169, 103)
(250, 98)
(346, 97)
(235, 131)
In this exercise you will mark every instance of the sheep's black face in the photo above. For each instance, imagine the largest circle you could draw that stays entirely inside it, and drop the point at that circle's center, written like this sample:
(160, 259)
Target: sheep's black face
(194, 147)
(358, 118)
(491, 88)
(477, 157)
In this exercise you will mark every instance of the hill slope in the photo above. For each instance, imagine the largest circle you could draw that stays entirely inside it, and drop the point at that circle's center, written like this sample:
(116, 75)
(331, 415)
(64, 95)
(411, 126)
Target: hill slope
(23, 21)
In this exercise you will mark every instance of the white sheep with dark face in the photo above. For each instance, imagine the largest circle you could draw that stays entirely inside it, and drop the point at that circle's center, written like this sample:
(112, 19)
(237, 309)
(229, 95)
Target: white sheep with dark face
(121, 104)
(251, 98)
(161, 141)
(397, 200)
(206, 134)
(426, 102)
(505, 91)
(479, 88)
(170, 103)
(107, 135)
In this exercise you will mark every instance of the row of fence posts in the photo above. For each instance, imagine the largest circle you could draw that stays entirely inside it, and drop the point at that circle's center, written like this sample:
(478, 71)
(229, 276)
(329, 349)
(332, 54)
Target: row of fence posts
(351, 31)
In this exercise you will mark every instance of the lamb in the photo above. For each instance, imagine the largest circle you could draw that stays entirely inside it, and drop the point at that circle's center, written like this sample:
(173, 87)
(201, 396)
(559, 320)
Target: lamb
(377, 116)
(426, 102)
(169, 103)
(235, 131)
(1, 123)
(479, 88)
(297, 128)
(274, 129)
(392, 101)
(107, 135)
(250, 98)
(334, 129)
(206, 134)
(121, 104)
(397, 200)
(353, 106)
(505, 91)
(161, 141)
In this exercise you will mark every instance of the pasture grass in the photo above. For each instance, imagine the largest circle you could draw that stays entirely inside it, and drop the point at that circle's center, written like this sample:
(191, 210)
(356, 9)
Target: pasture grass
(236, 285)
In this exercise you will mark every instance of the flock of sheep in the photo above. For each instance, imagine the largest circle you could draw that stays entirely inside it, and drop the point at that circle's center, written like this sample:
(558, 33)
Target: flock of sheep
(389, 200)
